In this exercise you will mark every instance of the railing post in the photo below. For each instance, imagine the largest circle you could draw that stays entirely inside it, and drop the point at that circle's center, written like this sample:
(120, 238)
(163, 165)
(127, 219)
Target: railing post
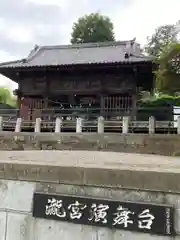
(1, 123)
(58, 125)
(79, 122)
(178, 125)
(100, 125)
(125, 125)
(151, 125)
(18, 125)
(37, 128)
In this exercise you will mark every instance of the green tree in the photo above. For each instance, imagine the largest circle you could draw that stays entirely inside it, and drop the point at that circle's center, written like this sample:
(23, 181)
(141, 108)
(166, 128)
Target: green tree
(168, 74)
(163, 36)
(7, 97)
(92, 28)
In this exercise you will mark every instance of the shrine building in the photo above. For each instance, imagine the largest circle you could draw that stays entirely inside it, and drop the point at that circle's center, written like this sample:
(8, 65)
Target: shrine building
(106, 77)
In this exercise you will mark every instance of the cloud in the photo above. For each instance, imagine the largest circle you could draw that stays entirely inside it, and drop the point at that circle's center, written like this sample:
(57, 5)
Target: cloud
(141, 18)
(24, 12)
(5, 82)
(24, 23)
(19, 21)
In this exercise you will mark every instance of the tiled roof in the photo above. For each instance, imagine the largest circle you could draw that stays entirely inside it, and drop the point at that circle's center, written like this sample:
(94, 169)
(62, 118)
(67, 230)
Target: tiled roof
(88, 53)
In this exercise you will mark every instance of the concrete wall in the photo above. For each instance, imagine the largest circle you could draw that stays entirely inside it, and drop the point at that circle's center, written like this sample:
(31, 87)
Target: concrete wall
(131, 143)
(117, 176)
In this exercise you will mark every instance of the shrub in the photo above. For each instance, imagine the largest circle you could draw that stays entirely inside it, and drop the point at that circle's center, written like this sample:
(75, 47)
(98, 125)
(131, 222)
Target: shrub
(160, 107)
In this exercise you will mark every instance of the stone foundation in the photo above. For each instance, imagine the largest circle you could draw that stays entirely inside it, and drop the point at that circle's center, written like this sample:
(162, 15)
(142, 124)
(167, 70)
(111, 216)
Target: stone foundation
(131, 143)
(116, 176)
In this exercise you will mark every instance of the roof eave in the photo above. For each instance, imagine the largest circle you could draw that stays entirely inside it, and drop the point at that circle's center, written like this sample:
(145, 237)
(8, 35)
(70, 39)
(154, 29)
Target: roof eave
(12, 62)
(2, 66)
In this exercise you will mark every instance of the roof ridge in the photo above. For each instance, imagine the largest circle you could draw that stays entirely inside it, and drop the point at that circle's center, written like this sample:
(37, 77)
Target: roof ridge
(87, 45)
(33, 53)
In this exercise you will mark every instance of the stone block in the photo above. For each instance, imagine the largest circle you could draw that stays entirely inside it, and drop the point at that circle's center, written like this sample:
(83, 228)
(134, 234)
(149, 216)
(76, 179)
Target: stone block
(19, 227)
(105, 234)
(126, 235)
(174, 200)
(47, 229)
(132, 143)
(16, 195)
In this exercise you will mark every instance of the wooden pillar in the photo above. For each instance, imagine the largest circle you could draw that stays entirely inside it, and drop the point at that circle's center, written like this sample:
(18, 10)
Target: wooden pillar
(134, 95)
(18, 106)
(19, 96)
(134, 106)
(47, 91)
(102, 105)
(71, 99)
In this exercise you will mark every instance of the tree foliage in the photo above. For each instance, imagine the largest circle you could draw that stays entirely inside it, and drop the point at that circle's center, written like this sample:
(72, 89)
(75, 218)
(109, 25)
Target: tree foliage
(161, 107)
(168, 74)
(164, 47)
(92, 28)
(6, 97)
(162, 38)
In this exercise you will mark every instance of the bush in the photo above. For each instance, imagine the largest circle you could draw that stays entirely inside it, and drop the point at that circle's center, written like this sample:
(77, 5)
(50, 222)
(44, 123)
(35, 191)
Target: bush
(159, 107)
(164, 100)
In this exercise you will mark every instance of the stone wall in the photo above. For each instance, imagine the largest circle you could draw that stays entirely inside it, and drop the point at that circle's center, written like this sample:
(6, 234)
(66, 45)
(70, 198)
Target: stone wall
(130, 143)
(117, 176)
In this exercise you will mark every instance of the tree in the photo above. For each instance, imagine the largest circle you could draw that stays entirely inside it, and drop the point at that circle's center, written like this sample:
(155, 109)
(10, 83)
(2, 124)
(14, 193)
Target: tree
(163, 36)
(6, 97)
(168, 74)
(92, 28)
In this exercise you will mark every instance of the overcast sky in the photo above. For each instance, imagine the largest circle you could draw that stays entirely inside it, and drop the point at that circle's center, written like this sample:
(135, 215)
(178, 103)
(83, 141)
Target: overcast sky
(24, 23)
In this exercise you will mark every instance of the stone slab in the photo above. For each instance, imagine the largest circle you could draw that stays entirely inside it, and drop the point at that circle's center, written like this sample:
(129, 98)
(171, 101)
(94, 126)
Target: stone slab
(16, 195)
(102, 193)
(19, 227)
(48, 229)
(105, 169)
(125, 235)
(2, 225)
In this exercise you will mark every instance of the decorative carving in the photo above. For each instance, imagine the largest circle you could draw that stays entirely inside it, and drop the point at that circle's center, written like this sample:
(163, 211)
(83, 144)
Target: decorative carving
(67, 85)
(122, 82)
(74, 84)
(40, 84)
(31, 86)
(101, 83)
(95, 84)
(82, 84)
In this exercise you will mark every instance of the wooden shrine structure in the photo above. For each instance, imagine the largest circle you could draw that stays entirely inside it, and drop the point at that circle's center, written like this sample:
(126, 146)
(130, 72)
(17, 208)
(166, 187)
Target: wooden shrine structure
(98, 78)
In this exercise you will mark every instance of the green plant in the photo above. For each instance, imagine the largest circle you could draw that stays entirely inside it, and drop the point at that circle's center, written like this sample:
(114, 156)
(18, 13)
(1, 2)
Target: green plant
(161, 107)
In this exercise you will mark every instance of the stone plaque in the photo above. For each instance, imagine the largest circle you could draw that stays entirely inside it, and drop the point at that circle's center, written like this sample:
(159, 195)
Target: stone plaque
(140, 217)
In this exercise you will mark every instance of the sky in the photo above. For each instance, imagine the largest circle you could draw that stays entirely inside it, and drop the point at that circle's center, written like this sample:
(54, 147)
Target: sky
(24, 23)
